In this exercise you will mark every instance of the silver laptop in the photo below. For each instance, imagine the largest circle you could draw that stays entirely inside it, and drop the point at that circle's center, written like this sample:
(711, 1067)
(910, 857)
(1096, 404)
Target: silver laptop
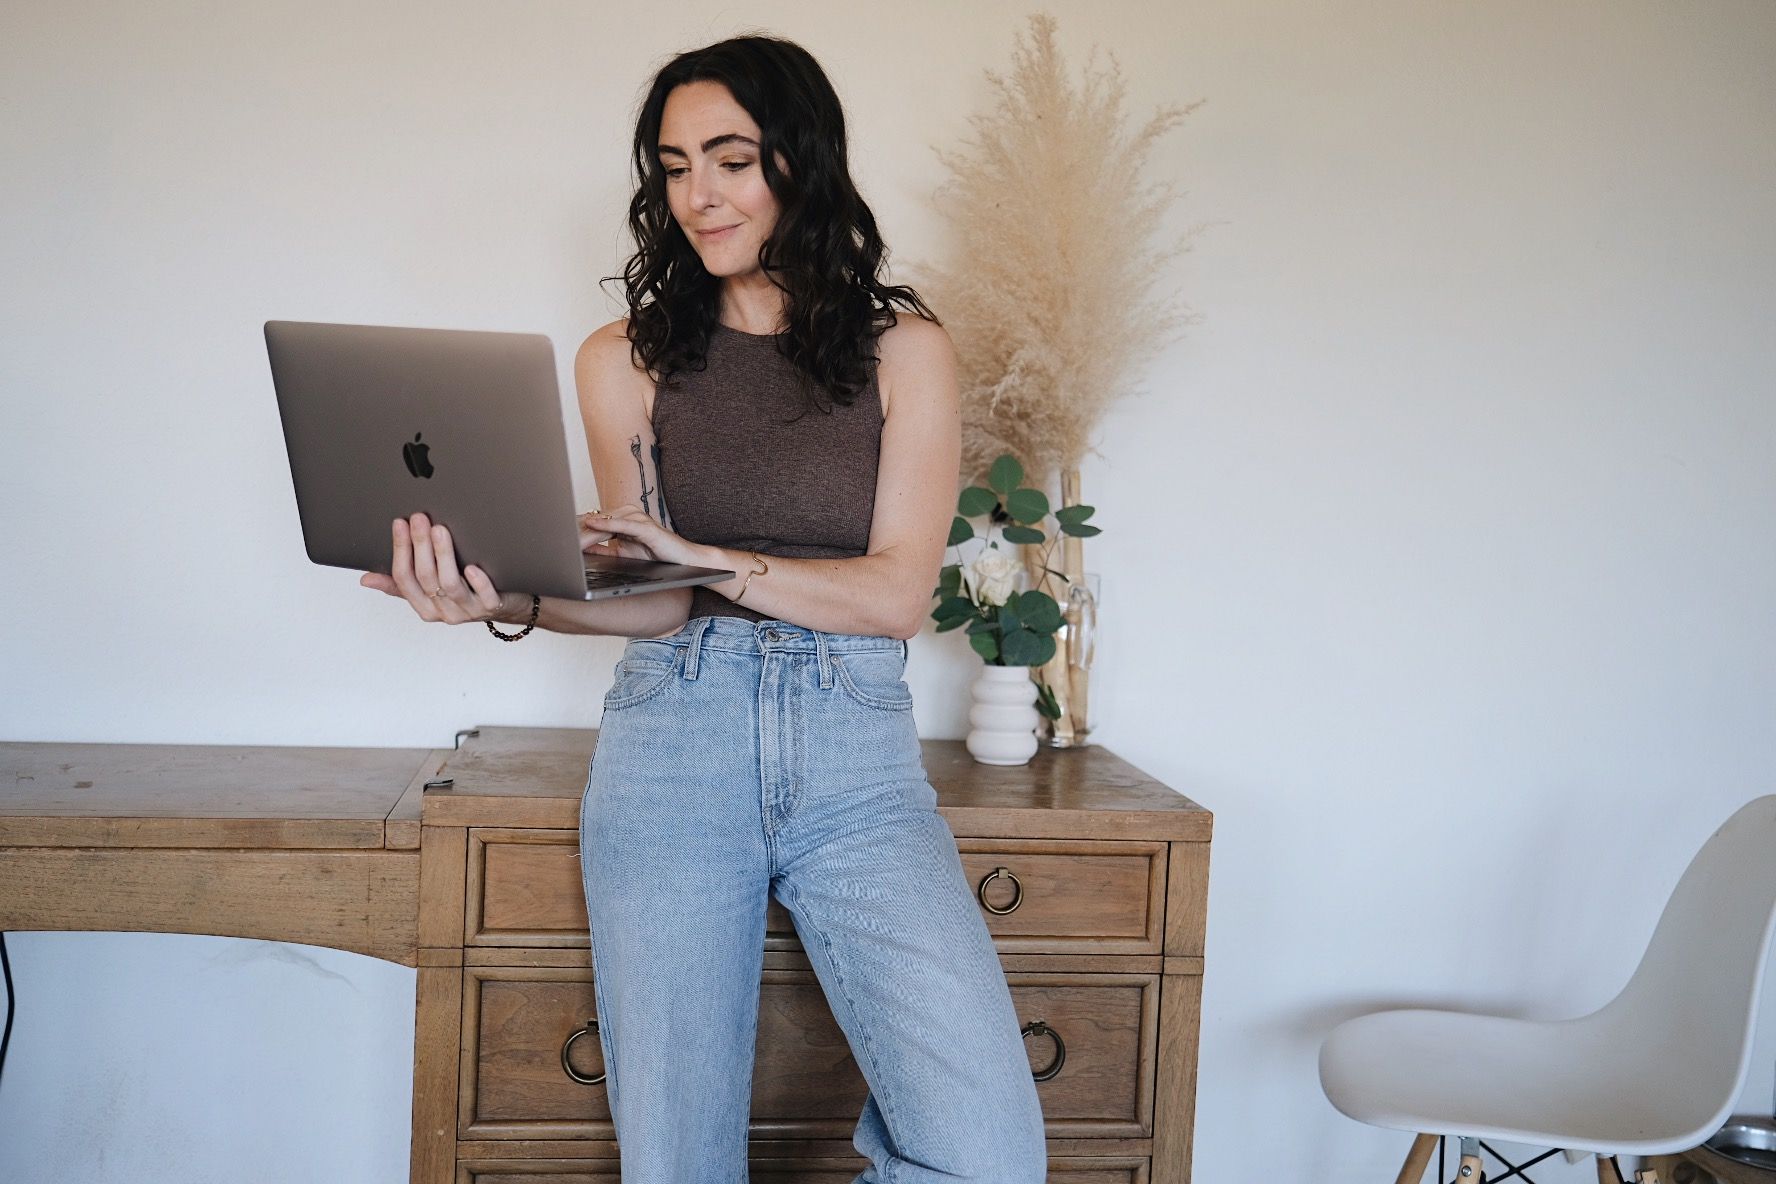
(383, 422)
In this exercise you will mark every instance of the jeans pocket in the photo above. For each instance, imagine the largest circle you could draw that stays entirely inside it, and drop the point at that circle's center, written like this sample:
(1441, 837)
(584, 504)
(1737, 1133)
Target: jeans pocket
(873, 678)
(640, 679)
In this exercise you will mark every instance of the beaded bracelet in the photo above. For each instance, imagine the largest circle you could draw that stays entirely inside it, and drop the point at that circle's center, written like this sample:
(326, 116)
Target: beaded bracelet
(536, 602)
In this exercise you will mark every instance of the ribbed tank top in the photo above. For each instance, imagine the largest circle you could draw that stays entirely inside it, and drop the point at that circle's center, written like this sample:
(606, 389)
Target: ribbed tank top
(746, 461)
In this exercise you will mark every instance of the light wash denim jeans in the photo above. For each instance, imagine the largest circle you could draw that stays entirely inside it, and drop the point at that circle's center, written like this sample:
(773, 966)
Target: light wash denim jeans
(736, 761)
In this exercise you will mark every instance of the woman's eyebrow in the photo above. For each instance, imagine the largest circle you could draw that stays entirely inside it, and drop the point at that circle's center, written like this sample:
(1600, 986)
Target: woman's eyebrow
(725, 138)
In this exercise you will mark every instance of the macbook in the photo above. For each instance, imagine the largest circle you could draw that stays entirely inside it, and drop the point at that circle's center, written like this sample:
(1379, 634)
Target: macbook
(381, 422)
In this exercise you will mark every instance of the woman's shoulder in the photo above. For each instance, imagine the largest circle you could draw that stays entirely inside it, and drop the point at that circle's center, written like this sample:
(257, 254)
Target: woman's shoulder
(912, 350)
(609, 350)
(607, 369)
(912, 332)
(607, 338)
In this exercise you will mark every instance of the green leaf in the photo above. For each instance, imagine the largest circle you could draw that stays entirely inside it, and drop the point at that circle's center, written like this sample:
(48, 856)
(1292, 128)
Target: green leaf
(986, 645)
(1035, 648)
(949, 580)
(975, 501)
(1039, 611)
(1023, 534)
(1006, 474)
(945, 626)
(960, 532)
(1079, 530)
(1045, 701)
(1074, 514)
(983, 625)
(1027, 505)
(1024, 648)
(953, 607)
(1008, 616)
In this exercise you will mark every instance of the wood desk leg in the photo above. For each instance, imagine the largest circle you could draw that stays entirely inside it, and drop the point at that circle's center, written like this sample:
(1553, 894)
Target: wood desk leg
(437, 1009)
(437, 1023)
(1180, 1016)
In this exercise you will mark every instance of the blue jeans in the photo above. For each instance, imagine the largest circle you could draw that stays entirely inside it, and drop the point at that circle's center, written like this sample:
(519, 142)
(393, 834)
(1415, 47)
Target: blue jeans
(740, 760)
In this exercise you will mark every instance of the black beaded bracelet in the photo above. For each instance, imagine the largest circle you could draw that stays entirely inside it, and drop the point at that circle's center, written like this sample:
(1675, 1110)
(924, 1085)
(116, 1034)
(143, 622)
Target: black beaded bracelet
(536, 602)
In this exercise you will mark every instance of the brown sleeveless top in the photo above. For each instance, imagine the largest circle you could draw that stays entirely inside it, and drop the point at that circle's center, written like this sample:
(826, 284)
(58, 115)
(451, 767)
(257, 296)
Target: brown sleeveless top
(747, 461)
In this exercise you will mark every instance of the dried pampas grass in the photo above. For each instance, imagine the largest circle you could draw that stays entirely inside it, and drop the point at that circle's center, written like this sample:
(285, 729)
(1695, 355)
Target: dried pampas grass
(1050, 308)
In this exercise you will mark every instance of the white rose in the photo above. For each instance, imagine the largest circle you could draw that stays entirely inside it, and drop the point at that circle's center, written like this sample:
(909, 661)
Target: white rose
(991, 578)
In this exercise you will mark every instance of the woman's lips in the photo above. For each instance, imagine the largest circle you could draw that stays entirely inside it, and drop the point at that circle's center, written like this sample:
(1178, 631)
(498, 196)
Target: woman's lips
(715, 234)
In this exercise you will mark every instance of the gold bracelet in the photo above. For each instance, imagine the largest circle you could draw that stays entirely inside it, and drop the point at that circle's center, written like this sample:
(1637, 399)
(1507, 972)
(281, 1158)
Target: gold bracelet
(763, 568)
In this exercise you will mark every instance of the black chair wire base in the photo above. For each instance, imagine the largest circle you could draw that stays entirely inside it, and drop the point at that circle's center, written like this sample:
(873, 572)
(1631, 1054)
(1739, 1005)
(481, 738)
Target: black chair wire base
(1518, 1170)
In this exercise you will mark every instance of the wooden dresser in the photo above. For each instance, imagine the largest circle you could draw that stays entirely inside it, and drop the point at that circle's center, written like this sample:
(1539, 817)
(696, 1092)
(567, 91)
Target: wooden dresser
(1092, 878)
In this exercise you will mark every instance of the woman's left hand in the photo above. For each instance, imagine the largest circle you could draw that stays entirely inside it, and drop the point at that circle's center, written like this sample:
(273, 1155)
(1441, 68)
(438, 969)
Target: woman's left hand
(631, 524)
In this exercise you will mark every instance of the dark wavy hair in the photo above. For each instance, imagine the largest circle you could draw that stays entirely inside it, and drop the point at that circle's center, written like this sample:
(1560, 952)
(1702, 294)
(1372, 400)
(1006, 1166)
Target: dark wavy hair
(824, 252)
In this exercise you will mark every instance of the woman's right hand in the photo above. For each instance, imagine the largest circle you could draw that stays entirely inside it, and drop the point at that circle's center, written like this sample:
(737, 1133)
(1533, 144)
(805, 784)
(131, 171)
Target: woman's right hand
(425, 576)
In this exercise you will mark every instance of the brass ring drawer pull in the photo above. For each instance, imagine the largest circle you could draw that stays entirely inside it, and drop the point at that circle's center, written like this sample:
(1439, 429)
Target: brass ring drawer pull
(1038, 1028)
(591, 1029)
(1017, 895)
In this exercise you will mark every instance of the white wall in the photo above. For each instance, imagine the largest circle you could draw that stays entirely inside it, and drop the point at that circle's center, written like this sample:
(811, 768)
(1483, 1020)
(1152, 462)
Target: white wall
(1436, 559)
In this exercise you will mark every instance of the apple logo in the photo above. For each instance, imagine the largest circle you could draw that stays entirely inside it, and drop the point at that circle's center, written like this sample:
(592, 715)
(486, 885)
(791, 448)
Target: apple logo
(415, 456)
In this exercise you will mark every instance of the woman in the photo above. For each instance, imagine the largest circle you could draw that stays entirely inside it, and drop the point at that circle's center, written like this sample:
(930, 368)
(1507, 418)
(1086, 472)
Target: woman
(762, 399)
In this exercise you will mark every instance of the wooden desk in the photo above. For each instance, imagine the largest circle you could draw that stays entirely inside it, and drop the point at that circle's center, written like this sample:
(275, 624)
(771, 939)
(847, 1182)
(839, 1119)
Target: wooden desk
(476, 885)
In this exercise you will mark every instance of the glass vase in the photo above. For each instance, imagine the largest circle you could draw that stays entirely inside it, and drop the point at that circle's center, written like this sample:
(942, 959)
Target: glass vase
(1076, 641)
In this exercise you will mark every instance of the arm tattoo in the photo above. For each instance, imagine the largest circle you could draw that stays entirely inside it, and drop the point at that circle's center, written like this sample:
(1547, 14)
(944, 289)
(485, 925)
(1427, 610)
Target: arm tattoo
(665, 518)
(640, 471)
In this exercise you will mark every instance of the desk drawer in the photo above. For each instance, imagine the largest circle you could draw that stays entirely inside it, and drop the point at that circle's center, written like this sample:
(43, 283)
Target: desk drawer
(1069, 895)
(1103, 1029)
(524, 889)
(1057, 896)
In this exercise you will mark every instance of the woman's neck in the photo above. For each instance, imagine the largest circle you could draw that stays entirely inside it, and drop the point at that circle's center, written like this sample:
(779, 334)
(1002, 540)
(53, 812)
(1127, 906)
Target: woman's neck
(752, 309)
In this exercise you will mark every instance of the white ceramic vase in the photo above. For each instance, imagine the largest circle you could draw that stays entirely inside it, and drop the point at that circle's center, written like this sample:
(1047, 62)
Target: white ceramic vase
(1003, 718)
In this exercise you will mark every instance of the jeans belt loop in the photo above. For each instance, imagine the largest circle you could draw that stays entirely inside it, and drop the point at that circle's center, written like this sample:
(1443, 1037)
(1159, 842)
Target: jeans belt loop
(698, 628)
(824, 660)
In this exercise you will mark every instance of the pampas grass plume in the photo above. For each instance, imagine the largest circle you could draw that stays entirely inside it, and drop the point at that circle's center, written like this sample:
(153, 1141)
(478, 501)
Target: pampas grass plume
(1050, 308)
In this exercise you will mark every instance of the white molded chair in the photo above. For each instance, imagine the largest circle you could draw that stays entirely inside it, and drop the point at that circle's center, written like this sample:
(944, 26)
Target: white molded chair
(1655, 1070)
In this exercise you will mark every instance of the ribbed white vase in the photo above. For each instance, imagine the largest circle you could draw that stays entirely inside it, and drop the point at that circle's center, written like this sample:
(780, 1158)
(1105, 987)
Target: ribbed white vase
(1003, 718)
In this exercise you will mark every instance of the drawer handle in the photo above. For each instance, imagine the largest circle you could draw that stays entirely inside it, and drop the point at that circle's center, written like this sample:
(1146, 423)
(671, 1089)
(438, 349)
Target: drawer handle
(1017, 895)
(1038, 1028)
(591, 1028)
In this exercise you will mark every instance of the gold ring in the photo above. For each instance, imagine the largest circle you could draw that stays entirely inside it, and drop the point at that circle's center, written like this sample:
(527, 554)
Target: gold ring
(438, 593)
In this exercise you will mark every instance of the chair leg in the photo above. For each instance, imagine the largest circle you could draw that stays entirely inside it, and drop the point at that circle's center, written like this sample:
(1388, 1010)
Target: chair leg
(1470, 1170)
(1607, 1171)
(1646, 1176)
(1417, 1160)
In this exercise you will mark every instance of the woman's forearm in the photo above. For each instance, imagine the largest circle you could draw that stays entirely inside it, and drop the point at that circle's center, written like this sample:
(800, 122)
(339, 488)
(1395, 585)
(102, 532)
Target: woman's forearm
(865, 594)
(650, 614)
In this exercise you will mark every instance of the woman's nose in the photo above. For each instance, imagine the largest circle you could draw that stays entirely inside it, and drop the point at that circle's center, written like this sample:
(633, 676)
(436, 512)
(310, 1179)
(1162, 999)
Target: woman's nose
(702, 189)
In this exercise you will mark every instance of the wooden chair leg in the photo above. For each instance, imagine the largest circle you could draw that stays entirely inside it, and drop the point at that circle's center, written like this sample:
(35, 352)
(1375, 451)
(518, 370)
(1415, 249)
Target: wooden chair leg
(1646, 1176)
(1417, 1159)
(1607, 1171)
